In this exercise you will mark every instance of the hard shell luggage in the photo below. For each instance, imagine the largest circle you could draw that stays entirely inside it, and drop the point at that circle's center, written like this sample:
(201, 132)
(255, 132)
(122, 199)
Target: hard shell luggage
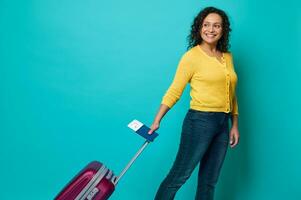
(96, 181)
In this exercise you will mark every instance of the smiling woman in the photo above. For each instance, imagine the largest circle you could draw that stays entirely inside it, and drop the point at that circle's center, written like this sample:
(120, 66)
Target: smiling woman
(200, 24)
(211, 32)
(208, 67)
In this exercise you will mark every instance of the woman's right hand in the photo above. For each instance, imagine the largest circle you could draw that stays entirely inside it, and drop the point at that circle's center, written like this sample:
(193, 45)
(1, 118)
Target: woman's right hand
(155, 126)
(162, 111)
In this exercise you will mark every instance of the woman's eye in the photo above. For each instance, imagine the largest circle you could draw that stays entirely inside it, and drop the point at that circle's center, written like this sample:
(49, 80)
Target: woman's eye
(205, 25)
(217, 26)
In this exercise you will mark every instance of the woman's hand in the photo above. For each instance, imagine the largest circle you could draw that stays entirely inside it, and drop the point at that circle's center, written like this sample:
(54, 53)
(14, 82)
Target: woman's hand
(234, 136)
(162, 111)
(155, 126)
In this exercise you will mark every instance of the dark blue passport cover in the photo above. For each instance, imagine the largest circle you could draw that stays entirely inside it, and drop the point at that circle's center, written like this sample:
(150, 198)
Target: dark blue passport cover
(143, 131)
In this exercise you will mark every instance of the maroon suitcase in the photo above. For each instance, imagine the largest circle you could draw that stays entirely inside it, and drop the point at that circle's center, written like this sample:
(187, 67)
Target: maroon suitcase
(96, 181)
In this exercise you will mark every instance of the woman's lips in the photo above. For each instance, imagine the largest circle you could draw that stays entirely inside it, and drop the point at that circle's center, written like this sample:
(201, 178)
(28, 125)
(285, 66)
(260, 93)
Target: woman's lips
(210, 35)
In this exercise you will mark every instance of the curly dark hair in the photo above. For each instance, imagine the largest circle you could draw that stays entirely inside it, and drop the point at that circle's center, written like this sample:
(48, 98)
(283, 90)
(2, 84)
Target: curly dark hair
(194, 38)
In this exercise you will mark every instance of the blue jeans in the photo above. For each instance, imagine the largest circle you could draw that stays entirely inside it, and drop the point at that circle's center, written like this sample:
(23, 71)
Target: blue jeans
(204, 140)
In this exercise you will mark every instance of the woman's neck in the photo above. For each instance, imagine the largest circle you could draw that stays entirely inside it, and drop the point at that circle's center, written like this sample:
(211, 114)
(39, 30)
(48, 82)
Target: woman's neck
(209, 47)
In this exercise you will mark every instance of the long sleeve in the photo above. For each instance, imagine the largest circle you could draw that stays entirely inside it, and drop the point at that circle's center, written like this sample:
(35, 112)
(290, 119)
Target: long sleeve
(212, 83)
(235, 106)
(234, 99)
(183, 75)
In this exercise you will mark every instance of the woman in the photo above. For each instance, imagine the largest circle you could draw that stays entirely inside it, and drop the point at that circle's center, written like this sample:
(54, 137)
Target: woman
(208, 67)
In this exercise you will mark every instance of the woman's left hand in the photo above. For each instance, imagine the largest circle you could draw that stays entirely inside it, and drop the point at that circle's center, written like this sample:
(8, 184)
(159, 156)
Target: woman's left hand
(234, 136)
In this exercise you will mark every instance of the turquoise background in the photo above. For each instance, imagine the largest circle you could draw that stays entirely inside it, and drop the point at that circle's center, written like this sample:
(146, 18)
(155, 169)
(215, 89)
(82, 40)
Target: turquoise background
(75, 73)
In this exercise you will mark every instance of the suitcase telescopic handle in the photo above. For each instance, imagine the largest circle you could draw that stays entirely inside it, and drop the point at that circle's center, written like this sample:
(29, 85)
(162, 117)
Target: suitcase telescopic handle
(141, 130)
(116, 179)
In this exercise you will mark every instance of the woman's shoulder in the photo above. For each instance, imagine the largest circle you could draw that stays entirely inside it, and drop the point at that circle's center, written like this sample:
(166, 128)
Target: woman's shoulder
(194, 52)
(228, 55)
(190, 53)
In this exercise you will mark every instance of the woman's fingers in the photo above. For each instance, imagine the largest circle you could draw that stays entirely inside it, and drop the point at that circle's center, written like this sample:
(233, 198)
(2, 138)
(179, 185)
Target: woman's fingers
(151, 131)
(231, 139)
(234, 138)
(235, 141)
(153, 128)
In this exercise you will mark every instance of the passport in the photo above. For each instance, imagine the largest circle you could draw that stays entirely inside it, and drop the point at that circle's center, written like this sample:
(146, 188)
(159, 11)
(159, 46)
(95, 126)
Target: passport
(142, 130)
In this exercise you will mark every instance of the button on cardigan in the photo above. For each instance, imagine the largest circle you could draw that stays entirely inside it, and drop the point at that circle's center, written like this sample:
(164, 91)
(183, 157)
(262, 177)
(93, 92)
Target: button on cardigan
(212, 83)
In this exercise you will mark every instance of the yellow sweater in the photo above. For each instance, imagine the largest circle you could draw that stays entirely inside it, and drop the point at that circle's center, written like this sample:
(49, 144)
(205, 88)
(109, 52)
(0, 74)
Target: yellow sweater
(212, 83)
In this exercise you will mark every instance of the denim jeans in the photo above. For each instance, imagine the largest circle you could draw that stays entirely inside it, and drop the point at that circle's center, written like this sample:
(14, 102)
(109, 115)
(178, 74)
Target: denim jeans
(204, 141)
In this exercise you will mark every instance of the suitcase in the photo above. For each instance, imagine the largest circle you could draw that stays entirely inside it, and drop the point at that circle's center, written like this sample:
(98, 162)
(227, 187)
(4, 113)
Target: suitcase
(96, 181)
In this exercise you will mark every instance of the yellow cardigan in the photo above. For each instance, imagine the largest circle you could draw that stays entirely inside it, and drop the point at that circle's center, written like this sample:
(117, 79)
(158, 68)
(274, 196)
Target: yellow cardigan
(212, 82)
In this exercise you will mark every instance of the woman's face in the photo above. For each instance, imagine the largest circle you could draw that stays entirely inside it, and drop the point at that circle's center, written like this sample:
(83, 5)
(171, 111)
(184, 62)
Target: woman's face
(211, 30)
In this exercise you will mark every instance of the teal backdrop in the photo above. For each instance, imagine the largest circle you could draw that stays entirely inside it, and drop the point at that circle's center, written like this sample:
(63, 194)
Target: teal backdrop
(73, 74)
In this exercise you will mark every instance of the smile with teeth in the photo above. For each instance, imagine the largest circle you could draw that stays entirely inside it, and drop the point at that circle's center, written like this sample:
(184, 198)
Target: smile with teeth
(210, 35)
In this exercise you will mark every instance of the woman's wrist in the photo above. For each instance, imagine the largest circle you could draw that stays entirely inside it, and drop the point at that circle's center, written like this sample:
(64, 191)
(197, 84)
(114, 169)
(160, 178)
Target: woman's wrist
(234, 126)
(234, 121)
(157, 121)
